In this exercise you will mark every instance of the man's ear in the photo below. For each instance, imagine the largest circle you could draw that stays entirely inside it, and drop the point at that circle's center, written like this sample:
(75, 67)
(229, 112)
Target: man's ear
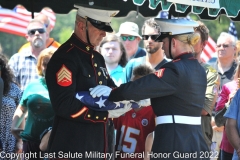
(27, 37)
(80, 25)
(138, 39)
(173, 42)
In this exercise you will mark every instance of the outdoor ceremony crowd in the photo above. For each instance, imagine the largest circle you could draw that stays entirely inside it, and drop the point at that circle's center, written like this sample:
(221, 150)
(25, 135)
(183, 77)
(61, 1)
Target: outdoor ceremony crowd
(99, 95)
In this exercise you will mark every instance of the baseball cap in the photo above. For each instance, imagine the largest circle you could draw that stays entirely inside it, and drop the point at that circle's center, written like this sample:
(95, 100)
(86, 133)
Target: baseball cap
(129, 28)
(171, 27)
(99, 17)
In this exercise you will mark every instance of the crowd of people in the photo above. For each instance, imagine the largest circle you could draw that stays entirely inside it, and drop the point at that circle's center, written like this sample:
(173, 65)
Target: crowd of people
(169, 96)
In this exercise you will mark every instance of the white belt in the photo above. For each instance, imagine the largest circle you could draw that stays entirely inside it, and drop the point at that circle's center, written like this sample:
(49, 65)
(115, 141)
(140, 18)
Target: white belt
(178, 119)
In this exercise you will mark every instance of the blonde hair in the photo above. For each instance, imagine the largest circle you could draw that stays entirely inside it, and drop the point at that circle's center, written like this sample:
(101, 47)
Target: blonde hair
(238, 48)
(48, 52)
(189, 39)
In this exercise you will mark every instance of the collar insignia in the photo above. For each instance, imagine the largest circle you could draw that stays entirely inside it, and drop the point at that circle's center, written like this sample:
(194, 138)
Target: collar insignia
(87, 48)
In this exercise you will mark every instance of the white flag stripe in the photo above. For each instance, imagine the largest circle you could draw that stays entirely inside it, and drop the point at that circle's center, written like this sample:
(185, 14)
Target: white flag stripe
(209, 50)
(16, 21)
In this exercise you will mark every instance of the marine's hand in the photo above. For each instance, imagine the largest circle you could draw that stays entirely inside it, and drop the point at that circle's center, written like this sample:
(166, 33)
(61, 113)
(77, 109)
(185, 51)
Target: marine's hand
(100, 90)
(118, 112)
(144, 102)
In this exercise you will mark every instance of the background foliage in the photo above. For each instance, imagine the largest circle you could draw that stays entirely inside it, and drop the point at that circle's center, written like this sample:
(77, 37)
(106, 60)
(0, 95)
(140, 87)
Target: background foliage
(65, 25)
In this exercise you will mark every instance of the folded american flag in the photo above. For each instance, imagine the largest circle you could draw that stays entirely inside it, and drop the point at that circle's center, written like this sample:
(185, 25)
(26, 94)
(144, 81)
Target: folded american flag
(100, 103)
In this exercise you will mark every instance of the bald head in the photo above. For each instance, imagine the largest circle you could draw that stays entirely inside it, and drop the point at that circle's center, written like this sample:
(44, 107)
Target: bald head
(45, 20)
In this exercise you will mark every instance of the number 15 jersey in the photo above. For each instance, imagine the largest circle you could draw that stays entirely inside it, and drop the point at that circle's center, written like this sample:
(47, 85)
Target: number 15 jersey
(132, 130)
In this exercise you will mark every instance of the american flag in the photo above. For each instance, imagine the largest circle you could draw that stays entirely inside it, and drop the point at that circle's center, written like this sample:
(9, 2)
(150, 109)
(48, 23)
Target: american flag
(15, 21)
(100, 103)
(209, 49)
(232, 29)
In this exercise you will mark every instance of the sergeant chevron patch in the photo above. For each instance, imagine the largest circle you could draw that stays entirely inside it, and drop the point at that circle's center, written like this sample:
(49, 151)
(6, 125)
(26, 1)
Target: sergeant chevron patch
(64, 76)
(159, 72)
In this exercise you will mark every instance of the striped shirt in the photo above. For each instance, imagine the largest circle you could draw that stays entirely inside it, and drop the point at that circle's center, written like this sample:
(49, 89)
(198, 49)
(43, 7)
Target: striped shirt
(24, 67)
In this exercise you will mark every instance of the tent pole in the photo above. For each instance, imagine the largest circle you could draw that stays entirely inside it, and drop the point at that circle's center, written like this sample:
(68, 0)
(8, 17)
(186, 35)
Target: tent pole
(32, 9)
(169, 15)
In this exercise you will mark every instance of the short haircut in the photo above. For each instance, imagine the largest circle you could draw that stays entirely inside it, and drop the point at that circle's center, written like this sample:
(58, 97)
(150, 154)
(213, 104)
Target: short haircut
(203, 30)
(227, 35)
(142, 70)
(115, 38)
(36, 21)
(47, 52)
(152, 23)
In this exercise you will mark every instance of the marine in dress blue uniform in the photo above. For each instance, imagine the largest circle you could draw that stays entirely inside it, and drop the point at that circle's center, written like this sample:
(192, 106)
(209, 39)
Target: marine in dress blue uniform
(177, 92)
(74, 67)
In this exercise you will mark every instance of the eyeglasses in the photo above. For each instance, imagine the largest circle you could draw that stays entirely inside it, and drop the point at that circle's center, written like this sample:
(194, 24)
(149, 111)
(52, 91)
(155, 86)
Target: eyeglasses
(33, 31)
(153, 37)
(130, 38)
(224, 45)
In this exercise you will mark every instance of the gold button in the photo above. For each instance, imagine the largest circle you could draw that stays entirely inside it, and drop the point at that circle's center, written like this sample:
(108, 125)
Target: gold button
(104, 118)
(87, 48)
(89, 115)
(100, 82)
(95, 64)
(92, 56)
(89, 75)
(106, 77)
(97, 117)
(99, 73)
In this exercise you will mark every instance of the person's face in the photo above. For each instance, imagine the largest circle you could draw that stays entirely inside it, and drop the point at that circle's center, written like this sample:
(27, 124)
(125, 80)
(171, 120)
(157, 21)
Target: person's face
(95, 35)
(150, 45)
(224, 48)
(44, 63)
(37, 35)
(111, 52)
(198, 47)
(130, 43)
(165, 46)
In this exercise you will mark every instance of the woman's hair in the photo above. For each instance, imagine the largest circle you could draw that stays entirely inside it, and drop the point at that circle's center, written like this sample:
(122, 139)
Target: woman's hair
(238, 49)
(188, 39)
(48, 52)
(114, 38)
(237, 73)
(6, 73)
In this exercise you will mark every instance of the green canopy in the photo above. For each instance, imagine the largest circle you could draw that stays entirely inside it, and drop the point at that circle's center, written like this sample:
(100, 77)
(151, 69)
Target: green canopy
(148, 8)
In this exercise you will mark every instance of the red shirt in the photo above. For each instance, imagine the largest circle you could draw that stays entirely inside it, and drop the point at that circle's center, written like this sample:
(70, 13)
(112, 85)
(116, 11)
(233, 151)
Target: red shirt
(227, 89)
(132, 130)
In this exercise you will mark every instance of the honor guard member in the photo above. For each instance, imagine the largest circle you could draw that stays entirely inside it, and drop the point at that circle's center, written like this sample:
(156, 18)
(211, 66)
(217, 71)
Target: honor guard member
(74, 67)
(177, 92)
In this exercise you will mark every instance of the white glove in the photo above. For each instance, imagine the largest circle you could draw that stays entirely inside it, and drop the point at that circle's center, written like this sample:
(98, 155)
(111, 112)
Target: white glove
(100, 90)
(118, 112)
(144, 102)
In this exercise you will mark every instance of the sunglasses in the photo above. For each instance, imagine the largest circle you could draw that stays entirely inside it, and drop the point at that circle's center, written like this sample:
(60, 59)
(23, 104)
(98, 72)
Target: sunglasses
(224, 45)
(129, 38)
(153, 37)
(33, 31)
